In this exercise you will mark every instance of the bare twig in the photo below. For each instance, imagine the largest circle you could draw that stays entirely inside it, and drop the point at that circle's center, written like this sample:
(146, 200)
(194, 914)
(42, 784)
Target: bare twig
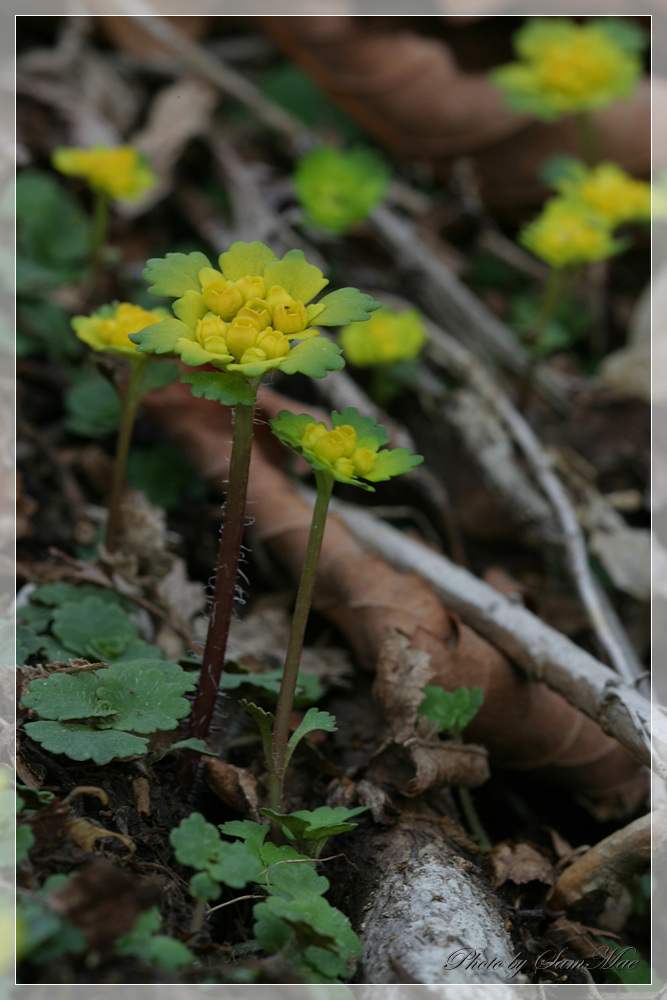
(584, 886)
(541, 651)
(446, 351)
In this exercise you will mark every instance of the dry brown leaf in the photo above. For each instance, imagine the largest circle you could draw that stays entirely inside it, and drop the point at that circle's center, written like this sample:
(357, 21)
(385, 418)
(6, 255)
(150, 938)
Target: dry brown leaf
(415, 765)
(523, 724)
(520, 864)
(409, 92)
(234, 785)
(104, 901)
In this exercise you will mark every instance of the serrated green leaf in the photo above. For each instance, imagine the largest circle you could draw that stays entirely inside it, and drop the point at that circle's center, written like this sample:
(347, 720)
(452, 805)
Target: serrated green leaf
(314, 357)
(62, 697)
(290, 874)
(392, 462)
(190, 308)
(27, 643)
(92, 407)
(264, 722)
(245, 259)
(194, 744)
(196, 843)
(93, 628)
(69, 593)
(450, 709)
(80, 742)
(317, 824)
(237, 865)
(301, 280)
(346, 305)
(204, 887)
(175, 274)
(162, 337)
(313, 721)
(145, 943)
(369, 433)
(221, 387)
(308, 686)
(289, 427)
(251, 833)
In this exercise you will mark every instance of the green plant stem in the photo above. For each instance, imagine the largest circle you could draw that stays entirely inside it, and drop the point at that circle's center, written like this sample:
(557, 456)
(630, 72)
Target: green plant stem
(100, 229)
(588, 139)
(131, 400)
(473, 819)
(304, 597)
(226, 572)
(553, 295)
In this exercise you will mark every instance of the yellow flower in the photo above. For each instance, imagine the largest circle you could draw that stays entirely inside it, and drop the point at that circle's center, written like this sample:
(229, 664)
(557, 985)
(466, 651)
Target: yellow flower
(337, 450)
(566, 68)
(121, 172)
(110, 327)
(567, 233)
(609, 192)
(387, 337)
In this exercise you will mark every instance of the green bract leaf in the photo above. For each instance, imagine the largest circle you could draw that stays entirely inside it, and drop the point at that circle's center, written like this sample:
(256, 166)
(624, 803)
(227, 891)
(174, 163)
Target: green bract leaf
(369, 433)
(393, 462)
(175, 274)
(93, 628)
(345, 305)
(80, 742)
(313, 357)
(222, 387)
(244, 259)
(450, 709)
(313, 721)
(300, 279)
(162, 337)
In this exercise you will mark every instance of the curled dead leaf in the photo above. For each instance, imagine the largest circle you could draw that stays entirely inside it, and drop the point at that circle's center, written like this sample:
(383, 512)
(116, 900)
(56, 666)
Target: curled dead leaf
(236, 786)
(520, 864)
(415, 765)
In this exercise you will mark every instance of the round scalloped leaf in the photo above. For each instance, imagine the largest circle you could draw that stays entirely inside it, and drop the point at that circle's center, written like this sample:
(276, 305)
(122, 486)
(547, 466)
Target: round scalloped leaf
(144, 701)
(80, 742)
(245, 259)
(237, 866)
(162, 338)
(67, 696)
(225, 388)
(93, 628)
(175, 274)
(314, 357)
(392, 462)
(301, 280)
(196, 843)
(346, 305)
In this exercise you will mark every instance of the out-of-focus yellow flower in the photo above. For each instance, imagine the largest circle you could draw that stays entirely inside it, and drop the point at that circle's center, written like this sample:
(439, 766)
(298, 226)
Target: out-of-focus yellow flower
(565, 67)
(110, 327)
(568, 233)
(609, 192)
(121, 172)
(386, 338)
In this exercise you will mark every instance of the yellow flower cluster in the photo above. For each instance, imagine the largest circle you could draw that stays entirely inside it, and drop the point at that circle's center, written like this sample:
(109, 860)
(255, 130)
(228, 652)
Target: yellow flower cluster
(565, 67)
(110, 327)
(609, 192)
(386, 338)
(246, 322)
(338, 449)
(567, 233)
(121, 172)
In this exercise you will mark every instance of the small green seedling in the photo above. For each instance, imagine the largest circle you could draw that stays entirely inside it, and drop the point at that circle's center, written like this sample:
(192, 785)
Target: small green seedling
(94, 715)
(312, 828)
(292, 917)
(451, 710)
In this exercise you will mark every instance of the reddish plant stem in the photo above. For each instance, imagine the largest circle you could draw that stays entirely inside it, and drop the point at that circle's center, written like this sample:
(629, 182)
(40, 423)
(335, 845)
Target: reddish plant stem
(224, 592)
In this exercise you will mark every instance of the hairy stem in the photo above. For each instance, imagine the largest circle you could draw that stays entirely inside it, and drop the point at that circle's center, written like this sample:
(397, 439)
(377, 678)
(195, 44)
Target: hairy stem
(100, 230)
(226, 573)
(131, 401)
(293, 656)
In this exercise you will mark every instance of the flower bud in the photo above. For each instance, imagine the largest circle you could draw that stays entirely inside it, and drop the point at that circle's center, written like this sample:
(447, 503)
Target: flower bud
(344, 466)
(210, 326)
(257, 311)
(277, 296)
(215, 345)
(290, 317)
(222, 297)
(250, 287)
(242, 335)
(253, 354)
(336, 444)
(274, 344)
(363, 460)
(311, 434)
